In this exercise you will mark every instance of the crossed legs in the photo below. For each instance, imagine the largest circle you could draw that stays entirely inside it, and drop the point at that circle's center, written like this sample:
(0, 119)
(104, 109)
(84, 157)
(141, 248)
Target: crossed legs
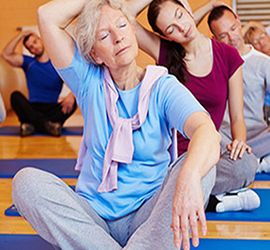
(67, 221)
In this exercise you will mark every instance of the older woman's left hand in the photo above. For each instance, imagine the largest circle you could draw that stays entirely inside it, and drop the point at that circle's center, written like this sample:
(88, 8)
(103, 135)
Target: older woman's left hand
(238, 148)
(188, 204)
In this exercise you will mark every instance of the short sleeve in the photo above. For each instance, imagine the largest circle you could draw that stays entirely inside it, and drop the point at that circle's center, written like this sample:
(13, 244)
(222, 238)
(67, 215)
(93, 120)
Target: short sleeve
(26, 62)
(178, 103)
(75, 74)
(234, 60)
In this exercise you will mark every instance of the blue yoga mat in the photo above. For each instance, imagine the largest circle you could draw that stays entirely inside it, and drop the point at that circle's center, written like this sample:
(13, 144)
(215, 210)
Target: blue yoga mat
(63, 168)
(262, 177)
(12, 211)
(15, 130)
(225, 244)
(260, 214)
(35, 242)
(23, 242)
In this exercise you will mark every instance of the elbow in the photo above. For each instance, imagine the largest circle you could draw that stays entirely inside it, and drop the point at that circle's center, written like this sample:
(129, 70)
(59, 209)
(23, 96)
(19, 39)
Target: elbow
(4, 55)
(44, 16)
(41, 14)
(45, 19)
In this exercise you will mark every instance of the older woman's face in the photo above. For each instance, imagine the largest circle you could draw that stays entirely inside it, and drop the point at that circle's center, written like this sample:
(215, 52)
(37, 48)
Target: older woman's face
(116, 45)
(176, 23)
(261, 41)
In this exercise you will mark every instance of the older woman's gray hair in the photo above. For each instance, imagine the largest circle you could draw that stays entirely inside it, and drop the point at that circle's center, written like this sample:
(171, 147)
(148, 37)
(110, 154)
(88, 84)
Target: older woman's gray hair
(85, 29)
(250, 32)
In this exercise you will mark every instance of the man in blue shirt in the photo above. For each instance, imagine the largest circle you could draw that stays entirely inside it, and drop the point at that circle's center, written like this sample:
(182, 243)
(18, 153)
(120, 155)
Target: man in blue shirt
(41, 112)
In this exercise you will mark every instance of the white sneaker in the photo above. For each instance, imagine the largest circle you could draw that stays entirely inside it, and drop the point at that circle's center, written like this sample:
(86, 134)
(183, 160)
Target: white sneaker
(241, 200)
(264, 165)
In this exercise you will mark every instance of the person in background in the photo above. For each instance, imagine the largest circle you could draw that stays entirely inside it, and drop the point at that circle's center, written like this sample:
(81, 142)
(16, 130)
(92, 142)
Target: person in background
(255, 34)
(226, 27)
(43, 112)
(212, 72)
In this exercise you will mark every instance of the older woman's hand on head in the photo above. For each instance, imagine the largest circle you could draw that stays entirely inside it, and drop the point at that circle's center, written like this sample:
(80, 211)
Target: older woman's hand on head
(249, 24)
(110, 40)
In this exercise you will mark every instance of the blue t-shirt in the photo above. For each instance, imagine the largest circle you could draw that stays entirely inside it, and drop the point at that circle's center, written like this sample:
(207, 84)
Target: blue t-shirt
(170, 105)
(43, 82)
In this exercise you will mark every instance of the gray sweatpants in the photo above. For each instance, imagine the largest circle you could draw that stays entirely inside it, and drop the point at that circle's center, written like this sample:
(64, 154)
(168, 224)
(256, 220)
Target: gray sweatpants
(260, 144)
(259, 141)
(67, 221)
(232, 175)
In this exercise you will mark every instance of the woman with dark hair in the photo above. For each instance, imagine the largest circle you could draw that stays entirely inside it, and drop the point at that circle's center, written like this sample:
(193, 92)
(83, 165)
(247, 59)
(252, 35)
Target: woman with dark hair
(212, 72)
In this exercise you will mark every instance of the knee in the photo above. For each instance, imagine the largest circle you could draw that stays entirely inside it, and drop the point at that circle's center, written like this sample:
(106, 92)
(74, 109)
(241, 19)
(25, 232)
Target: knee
(243, 170)
(15, 96)
(24, 186)
(251, 165)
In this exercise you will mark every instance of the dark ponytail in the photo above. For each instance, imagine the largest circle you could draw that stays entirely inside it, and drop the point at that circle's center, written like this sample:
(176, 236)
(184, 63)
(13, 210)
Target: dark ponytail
(175, 59)
(176, 52)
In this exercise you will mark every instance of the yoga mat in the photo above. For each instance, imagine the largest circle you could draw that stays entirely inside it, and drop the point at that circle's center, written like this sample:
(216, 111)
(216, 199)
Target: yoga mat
(15, 130)
(262, 177)
(225, 244)
(35, 242)
(23, 242)
(63, 168)
(260, 214)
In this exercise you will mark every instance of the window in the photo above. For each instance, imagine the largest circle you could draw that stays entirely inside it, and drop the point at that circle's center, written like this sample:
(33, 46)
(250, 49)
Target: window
(253, 10)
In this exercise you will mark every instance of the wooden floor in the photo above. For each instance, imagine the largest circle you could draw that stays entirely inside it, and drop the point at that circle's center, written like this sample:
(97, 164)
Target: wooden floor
(14, 147)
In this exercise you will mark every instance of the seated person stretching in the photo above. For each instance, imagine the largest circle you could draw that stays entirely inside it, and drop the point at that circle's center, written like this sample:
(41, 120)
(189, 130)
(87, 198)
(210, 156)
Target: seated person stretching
(212, 72)
(257, 36)
(127, 194)
(226, 27)
(42, 112)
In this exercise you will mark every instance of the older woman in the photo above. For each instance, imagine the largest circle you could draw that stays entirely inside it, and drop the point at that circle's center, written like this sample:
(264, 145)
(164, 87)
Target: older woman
(256, 35)
(124, 196)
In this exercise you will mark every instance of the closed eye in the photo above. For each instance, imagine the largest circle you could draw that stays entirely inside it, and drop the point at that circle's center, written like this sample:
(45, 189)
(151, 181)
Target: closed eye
(180, 15)
(170, 30)
(122, 25)
(103, 36)
(223, 36)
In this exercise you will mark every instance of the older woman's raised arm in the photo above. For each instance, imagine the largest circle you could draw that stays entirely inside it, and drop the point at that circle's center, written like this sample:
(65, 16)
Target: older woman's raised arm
(148, 41)
(53, 18)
